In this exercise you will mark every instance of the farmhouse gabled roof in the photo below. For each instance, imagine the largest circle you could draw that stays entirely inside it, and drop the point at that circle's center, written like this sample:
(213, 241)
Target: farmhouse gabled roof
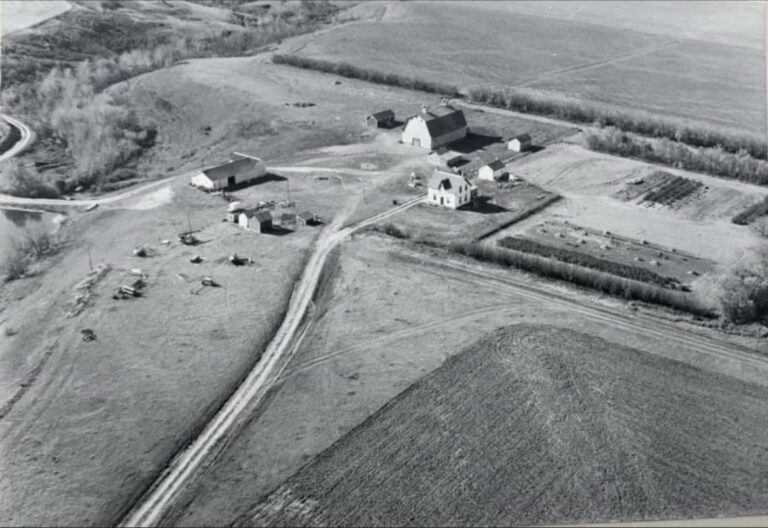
(383, 115)
(441, 180)
(522, 138)
(496, 165)
(231, 168)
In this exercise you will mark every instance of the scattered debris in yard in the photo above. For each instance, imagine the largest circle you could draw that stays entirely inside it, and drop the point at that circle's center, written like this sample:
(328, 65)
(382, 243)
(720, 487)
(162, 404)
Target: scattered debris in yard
(140, 252)
(91, 207)
(239, 261)
(85, 289)
(188, 239)
(88, 334)
(197, 259)
(208, 281)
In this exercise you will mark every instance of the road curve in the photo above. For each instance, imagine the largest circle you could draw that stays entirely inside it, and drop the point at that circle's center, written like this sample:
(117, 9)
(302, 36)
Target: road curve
(152, 507)
(27, 137)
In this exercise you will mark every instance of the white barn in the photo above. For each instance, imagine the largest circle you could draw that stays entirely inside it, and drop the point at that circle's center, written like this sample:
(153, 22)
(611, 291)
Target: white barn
(435, 128)
(492, 171)
(450, 190)
(229, 174)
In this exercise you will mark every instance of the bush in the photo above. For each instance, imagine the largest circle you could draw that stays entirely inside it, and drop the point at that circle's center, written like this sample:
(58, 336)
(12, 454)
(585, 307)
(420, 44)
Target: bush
(20, 179)
(744, 296)
(580, 259)
(606, 283)
(32, 246)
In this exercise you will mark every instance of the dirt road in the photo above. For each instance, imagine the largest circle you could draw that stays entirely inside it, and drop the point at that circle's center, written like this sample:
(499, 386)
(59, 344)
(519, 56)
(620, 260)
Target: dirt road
(150, 510)
(27, 137)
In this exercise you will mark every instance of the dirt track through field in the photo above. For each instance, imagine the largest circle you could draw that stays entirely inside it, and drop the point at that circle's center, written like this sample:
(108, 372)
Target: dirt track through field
(708, 349)
(151, 509)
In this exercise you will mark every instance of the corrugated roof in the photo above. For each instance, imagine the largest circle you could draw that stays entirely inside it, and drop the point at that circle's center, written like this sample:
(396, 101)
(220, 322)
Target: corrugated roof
(232, 168)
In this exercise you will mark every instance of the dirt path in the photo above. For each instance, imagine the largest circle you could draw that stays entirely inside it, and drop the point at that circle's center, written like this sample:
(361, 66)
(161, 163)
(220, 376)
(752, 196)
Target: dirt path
(27, 137)
(184, 468)
(710, 351)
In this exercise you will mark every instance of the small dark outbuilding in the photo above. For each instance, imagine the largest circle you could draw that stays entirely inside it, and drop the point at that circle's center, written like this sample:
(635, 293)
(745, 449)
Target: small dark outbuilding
(383, 119)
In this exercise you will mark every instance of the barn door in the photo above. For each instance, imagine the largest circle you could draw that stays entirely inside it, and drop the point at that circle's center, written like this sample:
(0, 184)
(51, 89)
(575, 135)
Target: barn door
(231, 181)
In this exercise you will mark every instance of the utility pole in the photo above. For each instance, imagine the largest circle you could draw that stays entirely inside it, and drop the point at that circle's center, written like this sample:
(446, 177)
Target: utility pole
(189, 222)
(90, 258)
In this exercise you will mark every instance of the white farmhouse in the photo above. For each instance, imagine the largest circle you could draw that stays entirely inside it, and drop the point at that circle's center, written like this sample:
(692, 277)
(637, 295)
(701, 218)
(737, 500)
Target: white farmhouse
(492, 171)
(450, 190)
(230, 174)
(434, 128)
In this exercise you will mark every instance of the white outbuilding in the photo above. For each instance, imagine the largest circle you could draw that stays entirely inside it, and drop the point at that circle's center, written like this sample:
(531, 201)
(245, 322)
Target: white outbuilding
(492, 171)
(520, 143)
(230, 174)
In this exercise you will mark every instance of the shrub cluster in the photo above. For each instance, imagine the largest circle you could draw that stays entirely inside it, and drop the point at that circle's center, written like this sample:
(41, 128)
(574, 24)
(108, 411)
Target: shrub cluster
(588, 261)
(355, 72)
(744, 296)
(716, 161)
(594, 279)
(750, 213)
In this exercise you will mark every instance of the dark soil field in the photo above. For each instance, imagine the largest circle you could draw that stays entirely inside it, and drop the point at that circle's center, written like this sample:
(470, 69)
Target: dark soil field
(536, 425)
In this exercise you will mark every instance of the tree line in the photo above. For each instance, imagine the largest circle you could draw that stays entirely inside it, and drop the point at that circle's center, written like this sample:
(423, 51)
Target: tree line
(587, 261)
(590, 278)
(715, 161)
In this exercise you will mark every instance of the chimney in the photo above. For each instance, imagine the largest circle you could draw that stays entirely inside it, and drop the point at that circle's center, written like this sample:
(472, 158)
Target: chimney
(425, 109)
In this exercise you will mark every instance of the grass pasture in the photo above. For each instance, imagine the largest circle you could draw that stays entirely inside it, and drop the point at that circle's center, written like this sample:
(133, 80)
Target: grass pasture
(537, 425)
(496, 208)
(705, 82)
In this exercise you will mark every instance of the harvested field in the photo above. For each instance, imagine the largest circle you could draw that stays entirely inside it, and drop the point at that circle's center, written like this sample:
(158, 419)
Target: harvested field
(617, 67)
(577, 428)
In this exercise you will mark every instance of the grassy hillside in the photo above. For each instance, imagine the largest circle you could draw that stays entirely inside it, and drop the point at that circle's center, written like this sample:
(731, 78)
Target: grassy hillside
(534, 425)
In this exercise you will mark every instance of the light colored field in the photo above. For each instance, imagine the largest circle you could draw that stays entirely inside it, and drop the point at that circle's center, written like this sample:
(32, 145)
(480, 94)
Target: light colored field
(87, 425)
(540, 425)
(16, 15)
(589, 182)
(607, 63)
(383, 323)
